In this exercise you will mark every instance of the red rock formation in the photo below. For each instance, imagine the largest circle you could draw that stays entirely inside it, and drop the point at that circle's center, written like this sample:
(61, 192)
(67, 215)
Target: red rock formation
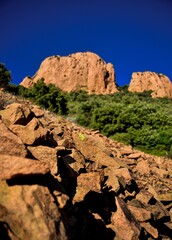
(78, 71)
(145, 81)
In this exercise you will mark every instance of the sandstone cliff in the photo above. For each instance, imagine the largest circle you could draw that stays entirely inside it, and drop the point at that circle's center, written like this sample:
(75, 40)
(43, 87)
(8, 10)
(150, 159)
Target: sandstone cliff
(78, 71)
(145, 81)
(61, 181)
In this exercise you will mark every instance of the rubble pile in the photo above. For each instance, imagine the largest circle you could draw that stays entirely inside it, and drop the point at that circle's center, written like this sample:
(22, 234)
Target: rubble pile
(61, 181)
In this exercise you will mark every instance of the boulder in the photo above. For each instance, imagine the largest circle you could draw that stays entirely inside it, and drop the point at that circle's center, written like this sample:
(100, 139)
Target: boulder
(33, 133)
(10, 143)
(143, 167)
(16, 113)
(38, 112)
(79, 71)
(87, 182)
(30, 213)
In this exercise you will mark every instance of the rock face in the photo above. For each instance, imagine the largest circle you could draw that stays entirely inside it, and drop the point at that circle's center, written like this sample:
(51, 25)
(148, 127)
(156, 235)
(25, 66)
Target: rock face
(77, 184)
(78, 71)
(160, 84)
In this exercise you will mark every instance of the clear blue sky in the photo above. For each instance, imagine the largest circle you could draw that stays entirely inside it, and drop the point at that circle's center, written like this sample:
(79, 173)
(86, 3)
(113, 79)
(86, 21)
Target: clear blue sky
(134, 35)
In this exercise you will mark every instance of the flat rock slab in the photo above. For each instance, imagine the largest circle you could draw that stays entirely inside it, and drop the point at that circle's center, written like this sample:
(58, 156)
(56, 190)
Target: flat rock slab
(87, 182)
(10, 143)
(12, 166)
(140, 214)
(46, 154)
(144, 196)
(134, 155)
(166, 197)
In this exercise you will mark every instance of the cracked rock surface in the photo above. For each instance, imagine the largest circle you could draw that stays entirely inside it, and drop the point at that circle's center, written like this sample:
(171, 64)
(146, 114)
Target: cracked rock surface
(61, 181)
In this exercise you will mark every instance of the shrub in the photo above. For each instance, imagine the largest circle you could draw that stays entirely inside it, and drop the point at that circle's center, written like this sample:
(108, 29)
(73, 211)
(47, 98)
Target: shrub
(47, 96)
(5, 76)
(2, 103)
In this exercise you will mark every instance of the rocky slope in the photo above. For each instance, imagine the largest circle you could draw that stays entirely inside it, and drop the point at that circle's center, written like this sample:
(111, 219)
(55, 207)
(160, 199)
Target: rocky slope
(61, 181)
(78, 71)
(145, 81)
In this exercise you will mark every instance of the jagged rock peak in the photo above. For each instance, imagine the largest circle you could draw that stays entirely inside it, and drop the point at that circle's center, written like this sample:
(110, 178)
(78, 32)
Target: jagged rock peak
(77, 71)
(160, 84)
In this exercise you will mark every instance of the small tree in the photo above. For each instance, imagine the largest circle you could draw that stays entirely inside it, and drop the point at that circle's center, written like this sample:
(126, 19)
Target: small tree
(5, 76)
(48, 96)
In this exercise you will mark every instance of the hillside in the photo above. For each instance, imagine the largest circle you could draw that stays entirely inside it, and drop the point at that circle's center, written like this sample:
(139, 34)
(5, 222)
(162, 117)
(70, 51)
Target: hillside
(135, 119)
(61, 181)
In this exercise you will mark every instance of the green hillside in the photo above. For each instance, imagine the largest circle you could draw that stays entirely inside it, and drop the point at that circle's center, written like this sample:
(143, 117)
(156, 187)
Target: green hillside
(131, 118)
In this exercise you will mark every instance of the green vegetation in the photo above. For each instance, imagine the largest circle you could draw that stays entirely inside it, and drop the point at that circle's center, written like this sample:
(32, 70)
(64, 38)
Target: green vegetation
(133, 118)
(47, 96)
(5, 76)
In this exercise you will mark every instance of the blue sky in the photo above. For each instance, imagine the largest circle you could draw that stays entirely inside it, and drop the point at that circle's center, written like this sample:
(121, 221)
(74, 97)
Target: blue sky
(134, 35)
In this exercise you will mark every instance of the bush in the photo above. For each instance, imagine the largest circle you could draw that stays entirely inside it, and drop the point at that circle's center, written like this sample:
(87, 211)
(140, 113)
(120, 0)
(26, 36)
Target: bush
(47, 96)
(2, 103)
(132, 118)
(13, 89)
(5, 76)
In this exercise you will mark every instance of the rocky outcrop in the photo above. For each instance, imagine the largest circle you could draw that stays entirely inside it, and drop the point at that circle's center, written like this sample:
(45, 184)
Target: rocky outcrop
(79, 71)
(78, 184)
(159, 84)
